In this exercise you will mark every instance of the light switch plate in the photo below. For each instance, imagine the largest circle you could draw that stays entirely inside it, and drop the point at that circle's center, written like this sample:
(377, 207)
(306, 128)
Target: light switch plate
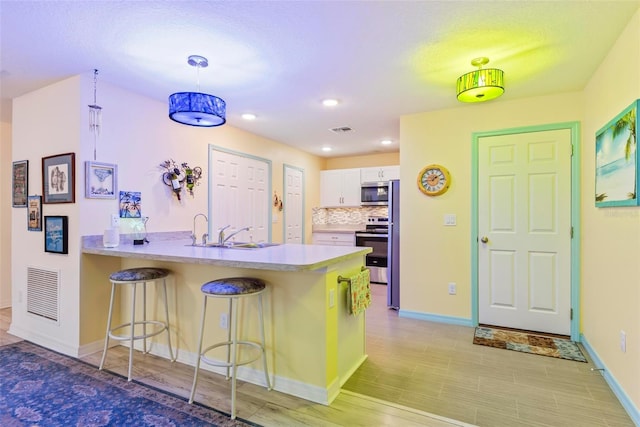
(115, 220)
(449, 219)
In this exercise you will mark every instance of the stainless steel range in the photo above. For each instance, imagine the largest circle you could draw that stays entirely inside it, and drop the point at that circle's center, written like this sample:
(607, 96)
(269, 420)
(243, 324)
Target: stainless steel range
(376, 236)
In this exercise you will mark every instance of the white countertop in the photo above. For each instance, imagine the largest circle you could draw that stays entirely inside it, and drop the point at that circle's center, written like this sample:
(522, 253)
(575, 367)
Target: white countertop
(285, 257)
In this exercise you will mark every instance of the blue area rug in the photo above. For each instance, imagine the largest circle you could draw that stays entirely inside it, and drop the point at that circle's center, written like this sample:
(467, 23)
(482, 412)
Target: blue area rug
(39, 387)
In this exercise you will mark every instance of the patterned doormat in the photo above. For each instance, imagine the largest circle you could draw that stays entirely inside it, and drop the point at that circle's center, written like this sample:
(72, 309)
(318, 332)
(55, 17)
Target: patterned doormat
(528, 342)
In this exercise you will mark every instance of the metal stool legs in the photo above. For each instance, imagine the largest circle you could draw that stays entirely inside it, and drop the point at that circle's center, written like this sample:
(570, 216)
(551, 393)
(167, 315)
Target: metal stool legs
(131, 337)
(232, 343)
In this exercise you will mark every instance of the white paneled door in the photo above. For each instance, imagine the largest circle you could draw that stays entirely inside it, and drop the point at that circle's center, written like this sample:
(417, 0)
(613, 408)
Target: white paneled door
(293, 204)
(524, 225)
(239, 195)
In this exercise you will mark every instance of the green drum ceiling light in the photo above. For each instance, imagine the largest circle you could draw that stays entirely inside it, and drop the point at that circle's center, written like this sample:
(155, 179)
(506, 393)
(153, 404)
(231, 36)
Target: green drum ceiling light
(481, 85)
(195, 108)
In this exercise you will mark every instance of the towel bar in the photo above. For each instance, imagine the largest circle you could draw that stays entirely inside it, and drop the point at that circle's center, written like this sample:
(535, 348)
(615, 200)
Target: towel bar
(348, 280)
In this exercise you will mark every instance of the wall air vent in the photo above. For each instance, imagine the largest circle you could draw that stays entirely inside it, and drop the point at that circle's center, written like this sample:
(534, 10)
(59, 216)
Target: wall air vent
(342, 129)
(42, 292)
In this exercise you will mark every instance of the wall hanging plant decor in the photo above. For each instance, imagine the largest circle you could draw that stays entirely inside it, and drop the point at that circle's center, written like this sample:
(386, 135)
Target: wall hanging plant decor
(181, 176)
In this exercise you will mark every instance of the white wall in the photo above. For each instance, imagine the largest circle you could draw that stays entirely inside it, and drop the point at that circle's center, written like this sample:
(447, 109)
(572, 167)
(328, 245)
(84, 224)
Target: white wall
(57, 131)
(5, 214)
(137, 135)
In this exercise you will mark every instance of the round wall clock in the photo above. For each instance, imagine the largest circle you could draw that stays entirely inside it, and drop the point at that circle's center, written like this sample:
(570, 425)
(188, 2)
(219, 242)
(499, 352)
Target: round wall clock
(434, 180)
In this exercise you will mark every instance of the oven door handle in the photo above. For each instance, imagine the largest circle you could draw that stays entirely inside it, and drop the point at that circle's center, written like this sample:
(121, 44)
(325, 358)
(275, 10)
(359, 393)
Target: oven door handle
(372, 235)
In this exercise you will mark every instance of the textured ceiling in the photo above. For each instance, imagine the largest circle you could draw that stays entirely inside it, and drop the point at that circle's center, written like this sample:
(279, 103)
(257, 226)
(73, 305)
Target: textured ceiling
(279, 59)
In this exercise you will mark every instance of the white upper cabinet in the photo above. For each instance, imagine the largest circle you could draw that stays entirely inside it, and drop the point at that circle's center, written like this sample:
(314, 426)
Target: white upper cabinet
(383, 173)
(340, 188)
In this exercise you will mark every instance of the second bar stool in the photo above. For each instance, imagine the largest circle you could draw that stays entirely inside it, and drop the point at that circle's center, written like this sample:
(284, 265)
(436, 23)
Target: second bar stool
(233, 289)
(134, 277)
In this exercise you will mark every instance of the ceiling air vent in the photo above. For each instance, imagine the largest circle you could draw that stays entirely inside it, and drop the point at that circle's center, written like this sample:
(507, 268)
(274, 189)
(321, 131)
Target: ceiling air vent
(342, 129)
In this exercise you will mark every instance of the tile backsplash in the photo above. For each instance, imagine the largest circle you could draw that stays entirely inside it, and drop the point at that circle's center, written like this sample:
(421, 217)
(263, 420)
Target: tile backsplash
(346, 216)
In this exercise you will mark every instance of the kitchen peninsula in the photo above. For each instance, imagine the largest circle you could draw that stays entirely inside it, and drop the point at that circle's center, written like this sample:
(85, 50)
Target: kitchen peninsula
(313, 343)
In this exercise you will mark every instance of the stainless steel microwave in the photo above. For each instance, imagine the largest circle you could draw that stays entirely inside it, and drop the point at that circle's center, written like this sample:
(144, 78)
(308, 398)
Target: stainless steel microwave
(374, 193)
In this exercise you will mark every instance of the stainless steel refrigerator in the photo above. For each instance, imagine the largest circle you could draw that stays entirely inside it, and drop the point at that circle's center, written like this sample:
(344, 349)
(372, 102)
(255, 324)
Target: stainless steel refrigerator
(393, 252)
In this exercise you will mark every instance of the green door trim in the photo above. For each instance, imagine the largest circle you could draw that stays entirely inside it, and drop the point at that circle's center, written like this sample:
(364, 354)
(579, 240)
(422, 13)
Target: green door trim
(574, 127)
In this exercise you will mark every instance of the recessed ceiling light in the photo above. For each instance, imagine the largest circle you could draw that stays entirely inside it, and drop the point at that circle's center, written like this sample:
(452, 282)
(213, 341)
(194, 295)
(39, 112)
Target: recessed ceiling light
(386, 142)
(249, 116)
(326, 149)
(329, 102)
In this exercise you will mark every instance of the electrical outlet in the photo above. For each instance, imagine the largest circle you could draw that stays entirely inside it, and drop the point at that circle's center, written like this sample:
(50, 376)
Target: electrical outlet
(623, 341)
(452, 288)
(224, 321)
(450, 219)
(115, 220)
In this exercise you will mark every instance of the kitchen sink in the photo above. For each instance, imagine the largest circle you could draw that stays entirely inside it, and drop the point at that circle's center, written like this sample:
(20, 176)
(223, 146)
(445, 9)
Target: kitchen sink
(239, 245)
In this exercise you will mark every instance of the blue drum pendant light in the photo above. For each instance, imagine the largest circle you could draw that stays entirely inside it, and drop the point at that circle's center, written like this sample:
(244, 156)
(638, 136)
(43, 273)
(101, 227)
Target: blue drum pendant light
(481, 85)
(196, 108)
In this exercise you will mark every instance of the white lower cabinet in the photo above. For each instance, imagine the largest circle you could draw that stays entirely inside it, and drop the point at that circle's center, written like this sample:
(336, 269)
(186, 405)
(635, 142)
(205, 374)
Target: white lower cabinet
(334, 239)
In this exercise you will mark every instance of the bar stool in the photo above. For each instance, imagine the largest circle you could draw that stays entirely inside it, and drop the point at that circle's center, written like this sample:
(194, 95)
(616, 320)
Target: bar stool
(233, 289)
(134, 277)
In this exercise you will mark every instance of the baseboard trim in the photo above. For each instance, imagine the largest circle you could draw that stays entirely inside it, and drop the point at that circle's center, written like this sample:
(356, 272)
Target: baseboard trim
(625, 401)
(459, 321)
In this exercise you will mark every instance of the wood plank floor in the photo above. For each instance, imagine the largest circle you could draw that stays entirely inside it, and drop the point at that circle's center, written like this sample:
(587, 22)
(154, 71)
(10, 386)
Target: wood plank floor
(418, 374)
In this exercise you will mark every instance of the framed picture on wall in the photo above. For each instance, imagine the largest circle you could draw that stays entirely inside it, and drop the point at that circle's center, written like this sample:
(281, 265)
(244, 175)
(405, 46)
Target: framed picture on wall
(100, 180)
(34, 213)
(59, 178)
(20, 184)
(617, 160)
(56, 234)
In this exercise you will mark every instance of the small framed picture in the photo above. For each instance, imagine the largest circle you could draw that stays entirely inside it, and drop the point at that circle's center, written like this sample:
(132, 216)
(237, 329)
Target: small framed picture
(130, 204)
(56, 234)
(58, 178)
(34, 213)
(100, 180)
(618, 160)
(20, 184)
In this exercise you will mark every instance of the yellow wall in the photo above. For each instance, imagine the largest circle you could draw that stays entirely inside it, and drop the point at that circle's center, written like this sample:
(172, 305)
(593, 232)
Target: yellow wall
(433, 255)
(610, 246)
(5, 214)
(370, 160)
(611, 236)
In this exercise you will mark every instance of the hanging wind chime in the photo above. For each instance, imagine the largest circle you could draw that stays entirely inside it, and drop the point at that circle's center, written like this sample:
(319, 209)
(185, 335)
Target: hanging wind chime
(95, 115)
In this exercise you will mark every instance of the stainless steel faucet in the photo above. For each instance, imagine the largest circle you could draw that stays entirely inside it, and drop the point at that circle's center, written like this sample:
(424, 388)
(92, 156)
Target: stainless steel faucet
(193, 233)
(221, 237)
